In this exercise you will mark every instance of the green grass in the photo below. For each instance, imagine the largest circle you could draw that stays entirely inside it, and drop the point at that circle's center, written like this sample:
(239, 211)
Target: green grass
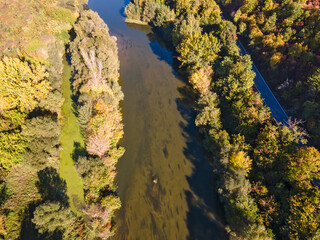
(70, 135)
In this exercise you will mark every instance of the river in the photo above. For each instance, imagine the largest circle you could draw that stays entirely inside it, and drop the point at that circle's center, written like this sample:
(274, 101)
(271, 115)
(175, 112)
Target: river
(165, 181)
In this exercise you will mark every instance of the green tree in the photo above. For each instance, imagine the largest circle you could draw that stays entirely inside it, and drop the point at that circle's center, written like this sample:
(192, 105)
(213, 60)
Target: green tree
(304, 219)
(268, 5)
(209, 114)
(209, 12)
(228, 32)
(183, 29)
(133, 11)
(239, 160)
(41, 127)
(270, 23)
(235, 77)
(163, 15)
(201, 79)
(314, 81)
(249, 6)
(53, 102)
(51, 217)
(149, 11)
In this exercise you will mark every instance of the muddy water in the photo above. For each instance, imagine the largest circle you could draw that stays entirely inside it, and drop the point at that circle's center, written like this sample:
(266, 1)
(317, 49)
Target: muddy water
(164, 180)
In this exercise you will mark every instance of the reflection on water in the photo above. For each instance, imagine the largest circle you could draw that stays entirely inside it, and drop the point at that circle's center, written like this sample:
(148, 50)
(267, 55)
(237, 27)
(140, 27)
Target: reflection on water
(164, 179)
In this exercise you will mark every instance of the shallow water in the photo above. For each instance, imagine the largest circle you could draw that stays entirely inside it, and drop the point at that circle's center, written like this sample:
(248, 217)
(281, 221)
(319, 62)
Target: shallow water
(164, 179)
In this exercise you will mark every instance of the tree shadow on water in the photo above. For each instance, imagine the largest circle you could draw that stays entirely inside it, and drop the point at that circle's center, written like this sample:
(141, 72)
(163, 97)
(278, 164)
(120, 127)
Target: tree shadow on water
(161, 48)
(122, 10)
(205, 215)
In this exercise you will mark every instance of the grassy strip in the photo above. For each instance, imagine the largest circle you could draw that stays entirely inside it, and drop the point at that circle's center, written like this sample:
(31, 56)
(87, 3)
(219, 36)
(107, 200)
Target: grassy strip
(70, 138)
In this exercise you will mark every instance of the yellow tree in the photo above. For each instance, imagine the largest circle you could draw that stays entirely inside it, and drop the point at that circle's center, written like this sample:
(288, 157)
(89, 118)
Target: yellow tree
(304, 166)
(22, 84)
(201, 79)
(304, 220)
(239, 160)
(198, 50)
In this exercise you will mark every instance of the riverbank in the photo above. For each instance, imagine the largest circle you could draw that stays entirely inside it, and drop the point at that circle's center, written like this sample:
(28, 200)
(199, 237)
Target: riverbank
(136, 21)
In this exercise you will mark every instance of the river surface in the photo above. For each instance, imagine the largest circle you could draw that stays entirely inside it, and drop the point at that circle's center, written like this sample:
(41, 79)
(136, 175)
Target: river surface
(165, 181)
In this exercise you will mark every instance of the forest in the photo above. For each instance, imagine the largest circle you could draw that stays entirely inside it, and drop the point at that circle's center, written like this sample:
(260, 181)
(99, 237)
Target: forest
(264, 170)
(284, 35)
(43, 49)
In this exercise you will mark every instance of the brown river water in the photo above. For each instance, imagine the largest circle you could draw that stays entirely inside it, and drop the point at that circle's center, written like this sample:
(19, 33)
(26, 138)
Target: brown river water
(165, 181)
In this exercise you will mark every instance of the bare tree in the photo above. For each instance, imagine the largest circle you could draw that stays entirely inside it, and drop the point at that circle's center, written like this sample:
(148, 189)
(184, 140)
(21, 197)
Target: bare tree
(100, 217)
(95, 68)
(296, 124)
(98, 144)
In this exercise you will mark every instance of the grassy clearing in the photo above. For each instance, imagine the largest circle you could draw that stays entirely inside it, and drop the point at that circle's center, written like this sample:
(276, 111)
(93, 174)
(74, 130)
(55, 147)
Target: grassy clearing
(70, 137)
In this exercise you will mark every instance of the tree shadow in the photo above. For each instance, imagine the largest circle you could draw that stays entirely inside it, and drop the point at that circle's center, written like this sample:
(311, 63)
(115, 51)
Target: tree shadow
(52, 187)
(163, 49)
(122, 10)
(166, 52)
(78, 151)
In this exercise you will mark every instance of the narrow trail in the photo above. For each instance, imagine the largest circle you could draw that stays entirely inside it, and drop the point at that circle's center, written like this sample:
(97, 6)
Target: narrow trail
(71, 139)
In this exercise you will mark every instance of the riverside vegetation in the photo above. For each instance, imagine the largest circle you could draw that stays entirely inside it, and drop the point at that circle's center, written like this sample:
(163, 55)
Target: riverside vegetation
(35, 111)
(263, 170)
